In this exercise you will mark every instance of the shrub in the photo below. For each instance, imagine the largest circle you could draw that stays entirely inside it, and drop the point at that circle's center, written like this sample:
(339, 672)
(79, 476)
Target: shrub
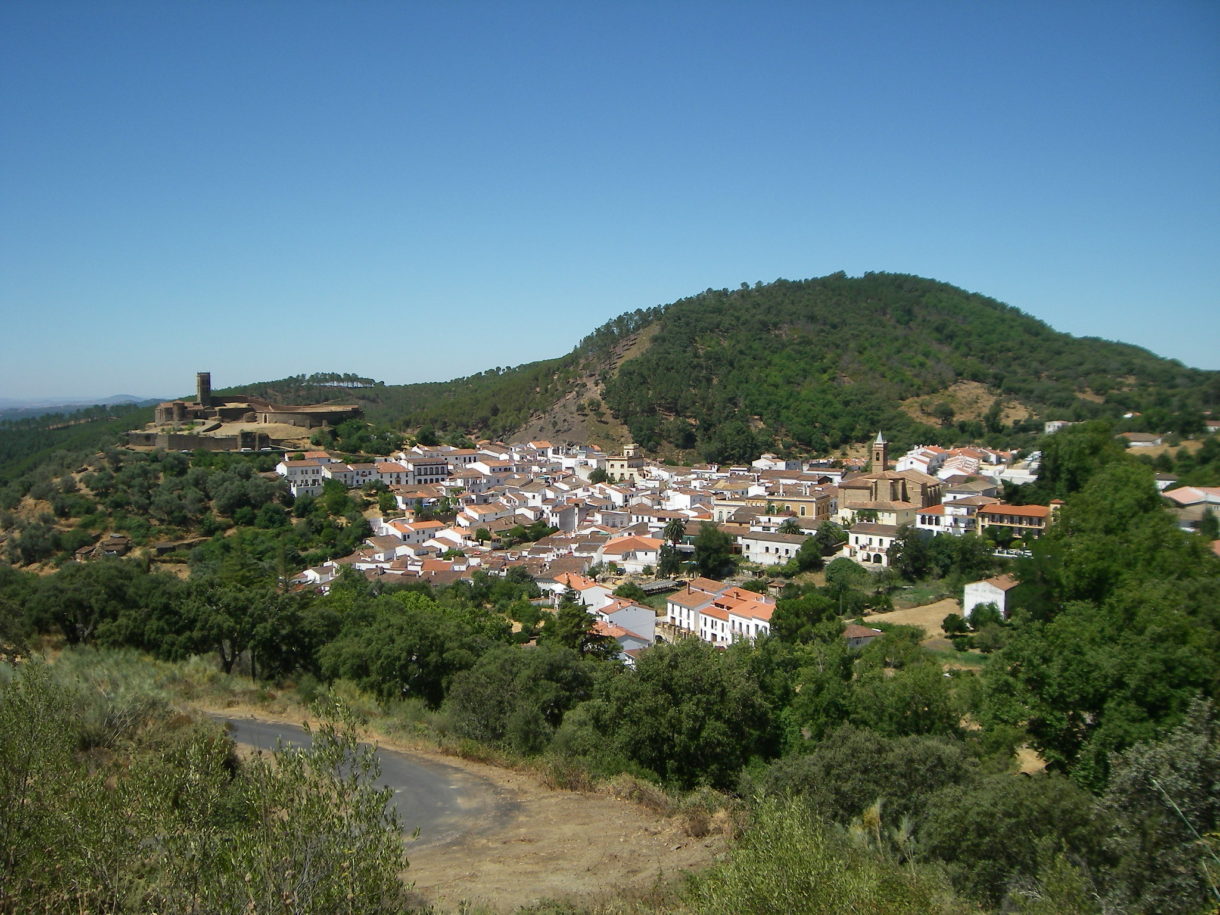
(787, 862)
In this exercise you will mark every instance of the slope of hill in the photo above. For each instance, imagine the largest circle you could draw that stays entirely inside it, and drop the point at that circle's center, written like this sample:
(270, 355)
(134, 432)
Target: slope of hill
(26, 443)
(817, 363)
(500, 402)
(803, 365)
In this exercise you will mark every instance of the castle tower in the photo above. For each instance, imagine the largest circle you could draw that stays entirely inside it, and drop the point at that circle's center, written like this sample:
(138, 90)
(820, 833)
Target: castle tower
(203, 388)
(881, 454)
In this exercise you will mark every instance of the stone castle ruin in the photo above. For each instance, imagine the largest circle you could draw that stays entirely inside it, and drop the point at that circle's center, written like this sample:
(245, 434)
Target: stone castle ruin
(246, 423)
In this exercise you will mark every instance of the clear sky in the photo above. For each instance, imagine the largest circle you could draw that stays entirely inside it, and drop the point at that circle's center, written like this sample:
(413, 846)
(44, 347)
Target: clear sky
(417, 191)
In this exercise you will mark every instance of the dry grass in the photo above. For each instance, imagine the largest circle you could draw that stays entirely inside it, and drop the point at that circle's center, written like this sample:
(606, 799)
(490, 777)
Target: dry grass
(1028, 760)
(928, 618)
(1155, 450)
(969, 400)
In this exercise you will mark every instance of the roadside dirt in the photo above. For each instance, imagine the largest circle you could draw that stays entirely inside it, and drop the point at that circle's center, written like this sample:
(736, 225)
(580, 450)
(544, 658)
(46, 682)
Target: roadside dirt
(558, 845)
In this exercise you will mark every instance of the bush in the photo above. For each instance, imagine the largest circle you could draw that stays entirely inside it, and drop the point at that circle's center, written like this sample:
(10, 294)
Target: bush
(991, 833)
(954, 625)
(166, 819)
(787, 862)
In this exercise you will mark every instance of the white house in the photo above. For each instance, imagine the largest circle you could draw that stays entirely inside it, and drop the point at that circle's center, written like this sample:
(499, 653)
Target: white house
(682, 608)
(303, 476)
(957, 517)
(868, 543)
(771, 462)
(769, 549)
(423, 471)
(924, 458)
(719, 613)
(858, 636)
(478, 515)
(989, 591)
(750, 618)
(633, 554)
(633, 617)
(588, 592)
(393, 473)
(714, 625)
(629, 643)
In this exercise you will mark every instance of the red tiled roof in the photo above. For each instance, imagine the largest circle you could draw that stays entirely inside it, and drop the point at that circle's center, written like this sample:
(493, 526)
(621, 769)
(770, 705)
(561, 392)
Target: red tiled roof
(1022, 511)
(1003, 582)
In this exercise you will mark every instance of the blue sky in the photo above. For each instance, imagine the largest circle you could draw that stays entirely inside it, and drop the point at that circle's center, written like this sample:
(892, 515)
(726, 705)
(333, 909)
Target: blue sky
(419, 191)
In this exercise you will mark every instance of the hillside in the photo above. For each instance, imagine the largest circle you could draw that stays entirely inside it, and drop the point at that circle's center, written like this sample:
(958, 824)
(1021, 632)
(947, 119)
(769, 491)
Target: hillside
(817, 363)
(807, 365)
(500, 402)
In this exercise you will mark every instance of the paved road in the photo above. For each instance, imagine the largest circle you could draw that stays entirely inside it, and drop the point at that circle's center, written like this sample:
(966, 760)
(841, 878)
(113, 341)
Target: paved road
(444, 802)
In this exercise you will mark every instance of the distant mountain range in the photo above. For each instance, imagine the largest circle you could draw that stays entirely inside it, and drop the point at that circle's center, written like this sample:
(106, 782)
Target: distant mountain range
(24, 408)
(82, 401)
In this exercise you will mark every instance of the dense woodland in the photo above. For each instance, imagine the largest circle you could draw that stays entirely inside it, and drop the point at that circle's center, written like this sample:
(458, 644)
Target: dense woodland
(883, 761)
(27, 444)
(816, 364)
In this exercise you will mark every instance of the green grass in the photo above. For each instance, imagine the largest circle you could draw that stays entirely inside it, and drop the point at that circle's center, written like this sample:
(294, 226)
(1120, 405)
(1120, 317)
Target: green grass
(919, 594)
(657, 601)
(974, 659)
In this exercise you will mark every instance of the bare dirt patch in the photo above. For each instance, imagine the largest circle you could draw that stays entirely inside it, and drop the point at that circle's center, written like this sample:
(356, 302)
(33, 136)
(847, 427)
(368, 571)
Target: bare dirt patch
(969, 399)
(1028, 760)
(30, 509)
(560, 845)
(570, 419)
(557, 845)
(180, 569)
(928, 618)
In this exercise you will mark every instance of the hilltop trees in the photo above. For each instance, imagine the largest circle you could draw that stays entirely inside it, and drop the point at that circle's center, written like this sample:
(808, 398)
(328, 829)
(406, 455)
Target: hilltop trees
(821, 362)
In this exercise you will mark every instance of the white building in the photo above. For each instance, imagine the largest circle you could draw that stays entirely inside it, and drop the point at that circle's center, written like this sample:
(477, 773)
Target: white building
(719, 613)
(989, 591)
(304, 476)
(769, 549)
(868, 543)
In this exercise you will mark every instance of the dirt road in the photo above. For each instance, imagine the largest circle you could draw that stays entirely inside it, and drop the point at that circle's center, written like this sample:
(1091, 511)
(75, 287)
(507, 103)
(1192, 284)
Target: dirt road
(497, 839)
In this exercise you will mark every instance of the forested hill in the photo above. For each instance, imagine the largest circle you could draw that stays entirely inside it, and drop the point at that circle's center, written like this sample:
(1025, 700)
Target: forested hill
(820, 362)
(807, 365)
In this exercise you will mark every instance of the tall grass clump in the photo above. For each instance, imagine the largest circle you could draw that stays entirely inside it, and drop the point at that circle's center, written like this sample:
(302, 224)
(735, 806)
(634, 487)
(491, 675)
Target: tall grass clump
(789, 862)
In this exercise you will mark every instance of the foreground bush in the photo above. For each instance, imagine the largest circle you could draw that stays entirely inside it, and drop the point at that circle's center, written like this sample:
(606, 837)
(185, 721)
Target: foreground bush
(787, 862)
(111, 804)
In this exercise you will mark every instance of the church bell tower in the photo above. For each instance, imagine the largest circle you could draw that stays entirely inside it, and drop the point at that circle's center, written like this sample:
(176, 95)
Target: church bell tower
(881, 454)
